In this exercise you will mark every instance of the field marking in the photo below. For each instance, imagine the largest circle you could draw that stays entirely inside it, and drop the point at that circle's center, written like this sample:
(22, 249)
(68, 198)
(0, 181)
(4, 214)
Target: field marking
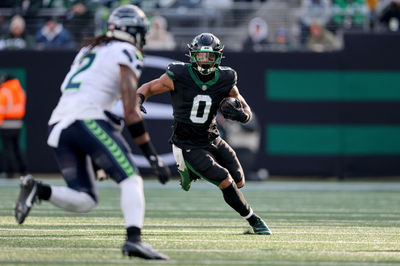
(287, 224)
(369, 223)
(302, 251)
(197, 262)
(229, 212)
(270, 240)
(250, 186)
(147, 230)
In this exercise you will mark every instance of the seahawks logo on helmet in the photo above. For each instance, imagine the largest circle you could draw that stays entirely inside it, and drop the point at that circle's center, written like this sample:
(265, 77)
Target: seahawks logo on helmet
(128, 23)
(205, 52)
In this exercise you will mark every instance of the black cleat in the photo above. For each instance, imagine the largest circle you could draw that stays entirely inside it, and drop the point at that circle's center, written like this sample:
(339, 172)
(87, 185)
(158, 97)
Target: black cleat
(141, 250)
(27, 198)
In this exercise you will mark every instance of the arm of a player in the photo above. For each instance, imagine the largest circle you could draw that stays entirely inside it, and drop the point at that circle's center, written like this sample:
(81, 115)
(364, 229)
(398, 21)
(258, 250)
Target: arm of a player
(234, 92)
(156, 86)
(129, 83)
(136, 124)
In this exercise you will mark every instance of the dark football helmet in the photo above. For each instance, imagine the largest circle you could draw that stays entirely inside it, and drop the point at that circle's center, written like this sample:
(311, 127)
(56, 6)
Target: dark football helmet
(128, 23)
(205, 52)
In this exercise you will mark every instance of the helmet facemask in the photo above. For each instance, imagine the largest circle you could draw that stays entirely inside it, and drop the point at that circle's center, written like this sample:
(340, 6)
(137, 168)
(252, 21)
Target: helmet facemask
(205, 61)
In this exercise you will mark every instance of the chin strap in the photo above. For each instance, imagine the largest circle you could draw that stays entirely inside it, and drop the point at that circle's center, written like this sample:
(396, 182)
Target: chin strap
(210, 70)
(120, 35)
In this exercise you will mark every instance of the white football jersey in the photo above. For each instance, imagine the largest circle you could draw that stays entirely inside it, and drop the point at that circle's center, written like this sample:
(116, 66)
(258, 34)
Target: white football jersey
(93, 83)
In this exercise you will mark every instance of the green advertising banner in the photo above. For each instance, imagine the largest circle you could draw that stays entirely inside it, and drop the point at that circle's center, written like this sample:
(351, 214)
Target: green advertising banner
(317, 85)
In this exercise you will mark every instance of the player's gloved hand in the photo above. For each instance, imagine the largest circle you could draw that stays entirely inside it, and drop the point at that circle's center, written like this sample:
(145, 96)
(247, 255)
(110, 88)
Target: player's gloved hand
(234, 111)
(143, 109)
(141, 101)
(160, 168)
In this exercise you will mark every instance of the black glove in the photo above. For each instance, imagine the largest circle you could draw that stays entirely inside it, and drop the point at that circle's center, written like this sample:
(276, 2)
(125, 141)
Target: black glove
(143, 109)
(161, 169)
(141, 101)
(233, 110)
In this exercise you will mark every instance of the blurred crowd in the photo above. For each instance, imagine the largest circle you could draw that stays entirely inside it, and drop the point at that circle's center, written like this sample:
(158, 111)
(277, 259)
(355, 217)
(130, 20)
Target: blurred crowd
(319, 24)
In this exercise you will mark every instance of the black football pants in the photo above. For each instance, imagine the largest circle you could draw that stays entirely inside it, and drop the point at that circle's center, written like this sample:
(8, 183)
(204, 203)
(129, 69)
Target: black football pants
(214, 162)
(12, 156)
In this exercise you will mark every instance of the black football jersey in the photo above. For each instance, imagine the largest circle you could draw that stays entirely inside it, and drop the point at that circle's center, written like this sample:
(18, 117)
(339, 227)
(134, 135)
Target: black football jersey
(195, 103)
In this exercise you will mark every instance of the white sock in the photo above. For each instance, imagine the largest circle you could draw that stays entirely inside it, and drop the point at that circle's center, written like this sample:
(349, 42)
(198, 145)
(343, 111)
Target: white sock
(71, 200)
(132, 201)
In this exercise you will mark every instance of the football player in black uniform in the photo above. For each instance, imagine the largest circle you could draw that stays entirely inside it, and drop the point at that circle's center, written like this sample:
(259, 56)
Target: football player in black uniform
(196, 92)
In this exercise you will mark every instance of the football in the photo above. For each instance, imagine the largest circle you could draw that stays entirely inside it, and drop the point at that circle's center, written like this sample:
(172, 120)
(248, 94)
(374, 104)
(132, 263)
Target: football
(228, 103)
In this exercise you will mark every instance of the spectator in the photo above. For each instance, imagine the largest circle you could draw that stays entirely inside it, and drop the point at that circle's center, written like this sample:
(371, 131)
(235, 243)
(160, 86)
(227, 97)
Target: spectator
(79, 19)
(53, 36)
(313, 11)
(17, 38)
(390, 16)
(281, 42)
(32, 11)
(257, 39)
(158, 37)
(372, 6)
(14, 100)
(349, 14)
(321, 40)
(3, 24)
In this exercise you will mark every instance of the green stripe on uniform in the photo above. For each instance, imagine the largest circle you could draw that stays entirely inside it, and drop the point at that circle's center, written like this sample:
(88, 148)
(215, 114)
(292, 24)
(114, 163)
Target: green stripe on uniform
(200, 175)
(171, 74)
(333, 140)
(332, 85)
(112, 146)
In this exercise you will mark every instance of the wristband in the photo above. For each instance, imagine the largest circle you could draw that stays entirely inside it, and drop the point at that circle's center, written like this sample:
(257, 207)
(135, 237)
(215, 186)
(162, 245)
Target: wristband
(137, 129)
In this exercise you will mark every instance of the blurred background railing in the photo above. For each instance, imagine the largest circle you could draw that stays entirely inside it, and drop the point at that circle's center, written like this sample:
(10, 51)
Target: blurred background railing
(258, 25)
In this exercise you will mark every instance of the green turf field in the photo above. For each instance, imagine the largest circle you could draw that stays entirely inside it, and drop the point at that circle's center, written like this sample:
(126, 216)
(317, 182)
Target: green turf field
(313, 223)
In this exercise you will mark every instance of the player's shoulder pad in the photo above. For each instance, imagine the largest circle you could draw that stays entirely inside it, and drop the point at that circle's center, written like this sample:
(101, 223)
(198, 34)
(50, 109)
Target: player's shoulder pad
(128, 50)
(126, 54)
(229, 74)
(176, 68)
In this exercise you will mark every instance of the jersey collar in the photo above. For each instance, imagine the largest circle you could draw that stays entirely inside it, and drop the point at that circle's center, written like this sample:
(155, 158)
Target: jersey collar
(203, 85)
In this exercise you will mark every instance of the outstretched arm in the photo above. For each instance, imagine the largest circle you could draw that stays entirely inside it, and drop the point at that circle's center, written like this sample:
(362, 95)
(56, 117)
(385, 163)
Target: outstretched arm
(136, 125)
(156, 86)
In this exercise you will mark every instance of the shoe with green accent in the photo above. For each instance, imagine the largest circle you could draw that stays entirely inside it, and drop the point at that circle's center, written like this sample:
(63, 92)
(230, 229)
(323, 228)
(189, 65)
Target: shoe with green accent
(185, 180)
(261, 228)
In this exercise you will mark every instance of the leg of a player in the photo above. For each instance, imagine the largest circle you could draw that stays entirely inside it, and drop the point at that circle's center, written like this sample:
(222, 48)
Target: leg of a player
(234, 198)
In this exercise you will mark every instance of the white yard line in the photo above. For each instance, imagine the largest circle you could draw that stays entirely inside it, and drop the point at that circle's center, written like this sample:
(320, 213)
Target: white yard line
(270, 240)
(250, 186)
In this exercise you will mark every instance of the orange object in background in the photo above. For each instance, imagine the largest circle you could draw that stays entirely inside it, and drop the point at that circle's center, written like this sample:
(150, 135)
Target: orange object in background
(15, 99)
(3, 104)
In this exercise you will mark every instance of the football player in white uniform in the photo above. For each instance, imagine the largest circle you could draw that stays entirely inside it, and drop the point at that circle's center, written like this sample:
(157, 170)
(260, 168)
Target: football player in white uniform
(81, 131)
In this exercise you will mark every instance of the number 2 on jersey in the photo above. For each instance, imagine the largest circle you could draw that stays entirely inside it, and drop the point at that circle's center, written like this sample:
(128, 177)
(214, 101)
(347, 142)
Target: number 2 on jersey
(89, 58)
(196, 116)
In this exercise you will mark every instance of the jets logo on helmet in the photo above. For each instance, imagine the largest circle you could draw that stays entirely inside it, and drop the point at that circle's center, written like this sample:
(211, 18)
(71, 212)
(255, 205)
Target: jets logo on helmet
(128, 23)
(205, 52)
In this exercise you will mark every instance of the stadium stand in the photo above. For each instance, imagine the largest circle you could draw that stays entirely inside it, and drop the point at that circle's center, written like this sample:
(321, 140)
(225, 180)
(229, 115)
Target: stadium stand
(228, 19)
